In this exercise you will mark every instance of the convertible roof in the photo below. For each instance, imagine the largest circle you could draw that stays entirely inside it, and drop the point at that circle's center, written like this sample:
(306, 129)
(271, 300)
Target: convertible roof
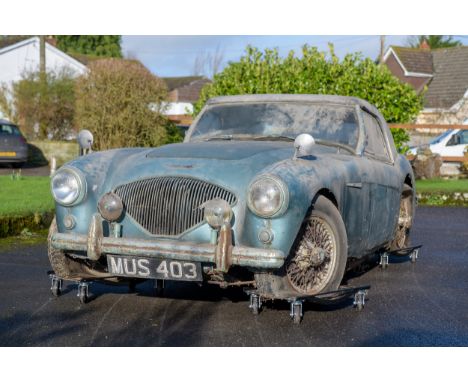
(313, 98)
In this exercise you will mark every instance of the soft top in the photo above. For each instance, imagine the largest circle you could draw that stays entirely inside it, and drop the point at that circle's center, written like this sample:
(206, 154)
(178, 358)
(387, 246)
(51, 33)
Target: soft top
(313, 98)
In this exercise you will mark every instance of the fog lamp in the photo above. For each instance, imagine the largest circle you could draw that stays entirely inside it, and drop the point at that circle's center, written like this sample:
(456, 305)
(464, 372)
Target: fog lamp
(217, 212)
(110, 206)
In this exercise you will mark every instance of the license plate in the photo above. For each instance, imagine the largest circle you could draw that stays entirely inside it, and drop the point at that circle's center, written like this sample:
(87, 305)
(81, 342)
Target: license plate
(7, 154)
(151, 268)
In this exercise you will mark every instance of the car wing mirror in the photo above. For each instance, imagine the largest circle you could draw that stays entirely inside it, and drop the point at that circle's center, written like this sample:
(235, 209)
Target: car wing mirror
(85, 140)
(303, 145)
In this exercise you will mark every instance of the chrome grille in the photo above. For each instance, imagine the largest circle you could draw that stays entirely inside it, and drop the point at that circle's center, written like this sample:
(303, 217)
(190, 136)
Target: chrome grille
(169, 205)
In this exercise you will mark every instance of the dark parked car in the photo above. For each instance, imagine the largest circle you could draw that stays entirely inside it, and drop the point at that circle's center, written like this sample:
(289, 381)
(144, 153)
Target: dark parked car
(278, 192)
(13, 146)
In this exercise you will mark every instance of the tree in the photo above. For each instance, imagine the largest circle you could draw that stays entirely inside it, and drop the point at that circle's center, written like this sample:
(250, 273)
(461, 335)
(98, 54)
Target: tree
(434, 41)
(43, 107)
(94, 45)
(120, 102)
(207, 63)
(317, 73)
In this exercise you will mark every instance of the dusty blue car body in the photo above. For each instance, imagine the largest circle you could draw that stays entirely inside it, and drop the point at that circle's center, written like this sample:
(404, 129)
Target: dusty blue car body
(366, 192)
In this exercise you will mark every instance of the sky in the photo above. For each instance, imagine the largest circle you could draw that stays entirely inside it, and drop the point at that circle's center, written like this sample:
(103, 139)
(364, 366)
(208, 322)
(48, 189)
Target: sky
(168, 56)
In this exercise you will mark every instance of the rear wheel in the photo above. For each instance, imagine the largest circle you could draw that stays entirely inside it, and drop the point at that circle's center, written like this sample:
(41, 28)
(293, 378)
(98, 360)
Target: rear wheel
(317, 262)
(405, 220)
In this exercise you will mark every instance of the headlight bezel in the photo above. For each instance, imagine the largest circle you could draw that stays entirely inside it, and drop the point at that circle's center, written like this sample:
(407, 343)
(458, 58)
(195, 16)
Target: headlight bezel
(81, 181)
(284, 196)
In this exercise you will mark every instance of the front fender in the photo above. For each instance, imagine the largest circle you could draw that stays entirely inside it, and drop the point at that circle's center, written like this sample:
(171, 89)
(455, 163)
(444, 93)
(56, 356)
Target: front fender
(305, 179)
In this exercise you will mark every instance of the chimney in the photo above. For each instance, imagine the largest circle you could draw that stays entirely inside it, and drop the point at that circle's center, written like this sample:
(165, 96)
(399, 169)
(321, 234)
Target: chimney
(424, 45)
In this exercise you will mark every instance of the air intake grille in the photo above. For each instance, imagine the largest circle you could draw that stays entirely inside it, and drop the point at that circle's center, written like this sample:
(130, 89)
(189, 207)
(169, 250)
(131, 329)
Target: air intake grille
(168, 206)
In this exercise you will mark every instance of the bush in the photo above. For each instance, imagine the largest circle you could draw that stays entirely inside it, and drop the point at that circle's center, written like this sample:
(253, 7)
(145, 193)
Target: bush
(42, 108)
(318, 73)
(119, 101)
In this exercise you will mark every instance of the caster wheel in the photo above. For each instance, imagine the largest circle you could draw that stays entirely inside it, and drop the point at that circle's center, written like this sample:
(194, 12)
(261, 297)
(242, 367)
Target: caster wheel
(56, 288)
(83, 299)
(83, 293)
(359, 300)
(159, 288)
(255, 310)
(56, 292)
(384, 261)
(297, 314)
(255, 304)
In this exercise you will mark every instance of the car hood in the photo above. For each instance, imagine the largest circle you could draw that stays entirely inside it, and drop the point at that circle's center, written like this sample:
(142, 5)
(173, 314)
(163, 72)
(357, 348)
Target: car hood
(232, 164)
(219, 150)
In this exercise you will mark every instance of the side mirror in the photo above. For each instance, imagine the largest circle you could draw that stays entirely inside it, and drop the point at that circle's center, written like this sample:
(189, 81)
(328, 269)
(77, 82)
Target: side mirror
(85, 140)
(303, 145)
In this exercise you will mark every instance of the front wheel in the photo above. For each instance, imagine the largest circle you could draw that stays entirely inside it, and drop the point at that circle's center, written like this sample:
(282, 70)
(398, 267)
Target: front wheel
(318, 260)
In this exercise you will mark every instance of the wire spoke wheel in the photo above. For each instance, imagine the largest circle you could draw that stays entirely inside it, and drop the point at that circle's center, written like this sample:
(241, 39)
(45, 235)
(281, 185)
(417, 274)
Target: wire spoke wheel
(405, 220)
(310, 269)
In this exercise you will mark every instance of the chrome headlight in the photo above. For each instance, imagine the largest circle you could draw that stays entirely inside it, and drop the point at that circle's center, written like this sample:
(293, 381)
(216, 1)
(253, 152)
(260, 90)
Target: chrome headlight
(217, 212)
(68, 186)
(268, 196)
(110, 207)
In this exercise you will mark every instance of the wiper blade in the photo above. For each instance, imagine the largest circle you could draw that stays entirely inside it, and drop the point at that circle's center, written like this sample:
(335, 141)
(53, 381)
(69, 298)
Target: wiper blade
(249, 137)
(272, 138)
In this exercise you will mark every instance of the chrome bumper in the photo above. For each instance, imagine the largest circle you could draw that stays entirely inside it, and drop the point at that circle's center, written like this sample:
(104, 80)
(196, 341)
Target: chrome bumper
(223, 254)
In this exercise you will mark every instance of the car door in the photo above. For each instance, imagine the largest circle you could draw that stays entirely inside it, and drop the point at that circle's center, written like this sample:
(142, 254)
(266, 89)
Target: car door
(383, 182)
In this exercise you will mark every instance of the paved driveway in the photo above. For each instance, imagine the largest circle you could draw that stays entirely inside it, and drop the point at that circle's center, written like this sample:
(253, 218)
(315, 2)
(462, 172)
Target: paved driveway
(409, 304)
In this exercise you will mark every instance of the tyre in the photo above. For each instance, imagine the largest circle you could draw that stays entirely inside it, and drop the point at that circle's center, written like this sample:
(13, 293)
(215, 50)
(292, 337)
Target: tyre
(401, 237)
(318, 259)
(63, 266)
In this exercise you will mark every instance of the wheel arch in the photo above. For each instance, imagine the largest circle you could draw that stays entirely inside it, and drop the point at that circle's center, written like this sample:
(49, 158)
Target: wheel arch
(328, 194)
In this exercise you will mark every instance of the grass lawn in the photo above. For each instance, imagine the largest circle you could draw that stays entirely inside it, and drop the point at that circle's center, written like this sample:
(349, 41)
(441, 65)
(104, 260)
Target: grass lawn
(442, 185)
(26, 195)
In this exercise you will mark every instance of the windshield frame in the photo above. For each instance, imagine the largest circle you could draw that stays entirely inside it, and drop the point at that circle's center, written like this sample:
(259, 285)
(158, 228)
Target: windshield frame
(355, 150)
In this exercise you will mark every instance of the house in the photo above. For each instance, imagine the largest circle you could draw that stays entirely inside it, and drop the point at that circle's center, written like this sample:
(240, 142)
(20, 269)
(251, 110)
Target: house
(441, 75)
(184, 92)
(22, 56)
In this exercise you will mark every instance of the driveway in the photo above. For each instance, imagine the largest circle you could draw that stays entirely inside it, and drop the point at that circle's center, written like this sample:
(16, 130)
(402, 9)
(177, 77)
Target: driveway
(422, 304)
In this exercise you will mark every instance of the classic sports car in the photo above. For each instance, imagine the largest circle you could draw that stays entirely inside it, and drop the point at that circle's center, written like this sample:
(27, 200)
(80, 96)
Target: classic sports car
(278, 192)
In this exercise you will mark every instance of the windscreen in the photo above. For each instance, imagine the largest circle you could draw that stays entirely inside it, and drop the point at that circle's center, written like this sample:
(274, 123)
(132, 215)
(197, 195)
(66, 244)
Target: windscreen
(9, 130)
(331, 123)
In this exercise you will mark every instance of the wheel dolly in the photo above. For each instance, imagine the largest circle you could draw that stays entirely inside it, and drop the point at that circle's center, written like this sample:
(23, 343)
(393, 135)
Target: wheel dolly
(56, 285)
(328, 298)
(411, 252)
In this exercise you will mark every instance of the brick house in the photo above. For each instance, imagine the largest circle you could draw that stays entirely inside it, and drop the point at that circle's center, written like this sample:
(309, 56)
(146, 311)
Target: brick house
(440, 74)
(183, 94)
